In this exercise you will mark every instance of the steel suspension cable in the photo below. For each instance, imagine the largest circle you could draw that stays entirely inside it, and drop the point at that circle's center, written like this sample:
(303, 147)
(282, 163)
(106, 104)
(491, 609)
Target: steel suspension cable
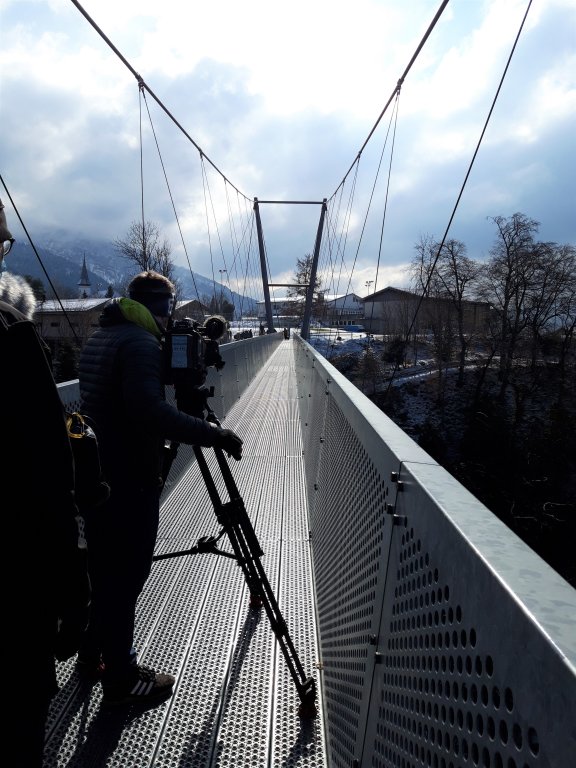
(142, 84)
(397, 88)
(17, 212)
(143, 98)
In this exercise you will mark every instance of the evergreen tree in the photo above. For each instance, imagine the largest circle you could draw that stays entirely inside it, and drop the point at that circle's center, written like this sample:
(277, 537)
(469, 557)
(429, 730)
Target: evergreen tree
(65, 363)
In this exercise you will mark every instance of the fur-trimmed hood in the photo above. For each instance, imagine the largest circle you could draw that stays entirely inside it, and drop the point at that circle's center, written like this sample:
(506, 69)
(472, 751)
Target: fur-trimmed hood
(16, 291)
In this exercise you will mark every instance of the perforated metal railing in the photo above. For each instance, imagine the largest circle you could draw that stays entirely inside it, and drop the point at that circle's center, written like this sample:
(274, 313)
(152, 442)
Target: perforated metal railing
(438, 639)
(445, 641)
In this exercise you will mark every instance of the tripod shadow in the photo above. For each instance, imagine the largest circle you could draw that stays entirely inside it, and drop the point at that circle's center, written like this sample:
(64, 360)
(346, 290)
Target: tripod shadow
(71, 703)
(305, 746)
(205, 749)
(204, 742)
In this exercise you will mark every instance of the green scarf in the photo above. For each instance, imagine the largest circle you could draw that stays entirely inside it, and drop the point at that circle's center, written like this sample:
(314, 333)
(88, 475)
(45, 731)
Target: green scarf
(139, 314)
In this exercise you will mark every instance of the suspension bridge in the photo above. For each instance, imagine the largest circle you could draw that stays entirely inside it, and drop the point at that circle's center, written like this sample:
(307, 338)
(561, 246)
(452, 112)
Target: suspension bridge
(434, 636)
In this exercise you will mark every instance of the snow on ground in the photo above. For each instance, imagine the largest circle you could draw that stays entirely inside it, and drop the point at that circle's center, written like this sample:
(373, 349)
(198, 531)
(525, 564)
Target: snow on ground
(418, 371)
(332, 343)
(336, 341)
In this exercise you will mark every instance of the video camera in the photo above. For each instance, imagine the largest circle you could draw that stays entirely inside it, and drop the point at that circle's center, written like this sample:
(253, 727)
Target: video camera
(190, 349)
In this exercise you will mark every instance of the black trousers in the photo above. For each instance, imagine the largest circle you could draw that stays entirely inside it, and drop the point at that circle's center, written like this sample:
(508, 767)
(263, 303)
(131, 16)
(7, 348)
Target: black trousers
(121, 536)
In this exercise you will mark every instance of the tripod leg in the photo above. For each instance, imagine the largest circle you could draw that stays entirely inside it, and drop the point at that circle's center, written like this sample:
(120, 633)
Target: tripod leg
(237, 524)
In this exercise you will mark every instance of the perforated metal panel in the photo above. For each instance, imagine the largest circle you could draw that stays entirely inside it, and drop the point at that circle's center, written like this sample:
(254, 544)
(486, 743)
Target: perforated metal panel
(465, 675)
(445, 641)
(350, 540)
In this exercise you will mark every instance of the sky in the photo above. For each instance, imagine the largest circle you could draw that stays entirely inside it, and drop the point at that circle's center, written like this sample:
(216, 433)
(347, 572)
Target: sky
(276, 102)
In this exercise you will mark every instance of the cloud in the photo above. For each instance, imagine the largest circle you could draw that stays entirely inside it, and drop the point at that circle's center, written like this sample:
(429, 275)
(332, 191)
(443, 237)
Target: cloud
(280, 101)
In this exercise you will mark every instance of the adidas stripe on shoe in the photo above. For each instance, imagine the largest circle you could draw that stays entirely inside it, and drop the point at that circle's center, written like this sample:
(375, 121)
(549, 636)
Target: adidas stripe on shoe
(148, 687)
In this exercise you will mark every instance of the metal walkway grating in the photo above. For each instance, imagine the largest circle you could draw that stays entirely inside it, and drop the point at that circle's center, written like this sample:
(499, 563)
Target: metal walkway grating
(234, 703)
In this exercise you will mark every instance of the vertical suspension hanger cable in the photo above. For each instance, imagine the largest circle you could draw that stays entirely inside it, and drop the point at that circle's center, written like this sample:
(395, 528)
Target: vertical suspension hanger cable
(395, 124)
(394, 113)
(143, 98)
(144, 248)
(333, 217)
(337, 316)
(204, 183)
(391, 127)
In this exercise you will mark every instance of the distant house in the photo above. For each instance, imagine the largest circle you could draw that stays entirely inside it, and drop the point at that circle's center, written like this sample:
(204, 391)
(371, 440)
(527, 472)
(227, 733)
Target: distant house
(392, 311)
(338, 309)
(343, 309)
(284, 309)
(68, 319)
(191, 308)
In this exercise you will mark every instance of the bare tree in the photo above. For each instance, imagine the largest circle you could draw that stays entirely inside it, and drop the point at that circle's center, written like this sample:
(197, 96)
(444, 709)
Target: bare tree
(566, 317)
(449, 280)
(142, 246)
(509, 281)
(555, 278)
(422, 268)
(459, 277)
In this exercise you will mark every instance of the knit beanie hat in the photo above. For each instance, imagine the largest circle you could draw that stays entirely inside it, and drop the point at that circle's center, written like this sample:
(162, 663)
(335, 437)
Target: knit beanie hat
(153, 290)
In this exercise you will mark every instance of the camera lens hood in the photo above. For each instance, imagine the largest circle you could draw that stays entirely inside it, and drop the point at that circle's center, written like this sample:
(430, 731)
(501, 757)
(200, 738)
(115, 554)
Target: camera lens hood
(215, 327)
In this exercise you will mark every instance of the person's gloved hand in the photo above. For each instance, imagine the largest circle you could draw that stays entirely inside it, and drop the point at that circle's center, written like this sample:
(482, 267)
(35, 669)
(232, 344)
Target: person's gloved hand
(229, 442)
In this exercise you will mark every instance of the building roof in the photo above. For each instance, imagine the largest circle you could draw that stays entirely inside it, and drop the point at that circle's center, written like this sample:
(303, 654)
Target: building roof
(389, 290)
(337, 296)
(71, 305)
(399, 294)
(185, 302)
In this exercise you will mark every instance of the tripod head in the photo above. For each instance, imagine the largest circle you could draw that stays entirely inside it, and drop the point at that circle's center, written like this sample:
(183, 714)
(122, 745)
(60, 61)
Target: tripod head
(193, 400)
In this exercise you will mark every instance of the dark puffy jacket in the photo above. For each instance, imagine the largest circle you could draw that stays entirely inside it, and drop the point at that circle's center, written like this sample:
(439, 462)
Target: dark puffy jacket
(47, 611)
(121, 375)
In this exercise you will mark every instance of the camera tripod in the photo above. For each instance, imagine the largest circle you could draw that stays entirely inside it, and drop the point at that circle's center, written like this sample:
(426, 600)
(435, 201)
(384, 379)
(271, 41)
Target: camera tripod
(233, 518)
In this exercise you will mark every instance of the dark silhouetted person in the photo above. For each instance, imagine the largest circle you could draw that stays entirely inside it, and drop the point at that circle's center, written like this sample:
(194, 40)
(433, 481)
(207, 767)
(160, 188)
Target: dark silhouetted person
(45, 588)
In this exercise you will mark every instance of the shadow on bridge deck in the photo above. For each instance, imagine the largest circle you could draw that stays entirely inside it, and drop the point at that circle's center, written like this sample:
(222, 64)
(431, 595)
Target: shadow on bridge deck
(234, 703)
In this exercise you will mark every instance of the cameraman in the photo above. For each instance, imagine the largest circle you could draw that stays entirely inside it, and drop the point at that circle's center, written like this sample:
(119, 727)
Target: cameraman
(121, 374)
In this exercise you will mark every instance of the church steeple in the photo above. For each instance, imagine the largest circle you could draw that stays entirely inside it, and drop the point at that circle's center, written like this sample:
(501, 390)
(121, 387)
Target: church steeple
(84, 282)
